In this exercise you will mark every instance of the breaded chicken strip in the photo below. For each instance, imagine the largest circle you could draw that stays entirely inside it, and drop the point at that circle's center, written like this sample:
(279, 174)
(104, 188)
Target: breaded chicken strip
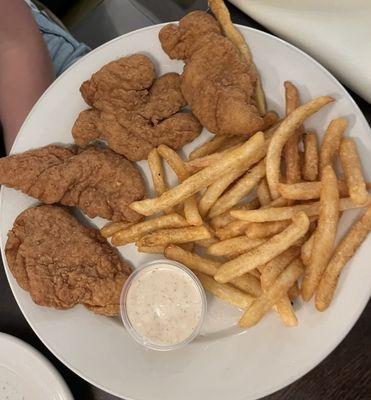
(216, 82)
(99, 181)
(61, 263)
(132, 111)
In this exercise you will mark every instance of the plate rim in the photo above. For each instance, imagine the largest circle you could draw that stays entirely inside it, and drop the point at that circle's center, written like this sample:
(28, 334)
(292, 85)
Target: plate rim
(34, 353)
(253, 396)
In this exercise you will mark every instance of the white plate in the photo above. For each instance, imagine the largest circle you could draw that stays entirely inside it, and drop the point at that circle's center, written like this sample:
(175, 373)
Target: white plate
(221, 364)
(27, 374)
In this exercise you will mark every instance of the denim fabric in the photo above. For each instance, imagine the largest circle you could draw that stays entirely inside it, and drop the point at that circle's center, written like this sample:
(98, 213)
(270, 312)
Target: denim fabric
(64, 50)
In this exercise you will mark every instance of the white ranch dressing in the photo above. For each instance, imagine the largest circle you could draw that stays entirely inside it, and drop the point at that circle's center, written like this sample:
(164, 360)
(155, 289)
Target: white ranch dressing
(164, 304)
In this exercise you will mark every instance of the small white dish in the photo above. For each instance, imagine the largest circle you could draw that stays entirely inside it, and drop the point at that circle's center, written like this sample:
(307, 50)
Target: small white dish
(27, 374)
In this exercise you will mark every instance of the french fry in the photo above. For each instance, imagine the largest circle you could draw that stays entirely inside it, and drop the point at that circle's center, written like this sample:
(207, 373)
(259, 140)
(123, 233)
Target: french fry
(211, 146)
(160, 249)
(203, 178)
(263, 194)
(286, 311)
(267, 251)
(135, 232)
(205, 243)
(206, 161)
(221, 13)
(324, 238)
(224, 219)
(341, 255)
(307, 190)
(236, 245)
(311, 157)
(233, 229)
(111, 228)
(331, 142)
(215, 190)
(310, 190)
(197, 164)
(226, 292)
(286, 129)
(246, 283)
(191, 212)
(306, 250)
(158, 175)
(259, 230)
(353, 172)
(174, 235)
(291, 148)
(271, 270)
(266, 301)
(152, 249)
(236, 228)
(239, 190)
(282, 213)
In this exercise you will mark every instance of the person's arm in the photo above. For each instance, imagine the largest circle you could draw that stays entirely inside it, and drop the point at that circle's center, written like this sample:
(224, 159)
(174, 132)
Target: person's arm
(25, 67)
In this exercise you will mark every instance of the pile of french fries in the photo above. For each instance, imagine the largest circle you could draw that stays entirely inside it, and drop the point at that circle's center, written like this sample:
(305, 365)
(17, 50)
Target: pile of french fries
(256, 219)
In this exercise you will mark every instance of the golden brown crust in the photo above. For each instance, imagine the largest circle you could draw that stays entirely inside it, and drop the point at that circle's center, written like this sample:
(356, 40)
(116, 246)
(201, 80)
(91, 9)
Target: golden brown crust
(62, 263)
(96, 180)
(131, 109)
(217, 83)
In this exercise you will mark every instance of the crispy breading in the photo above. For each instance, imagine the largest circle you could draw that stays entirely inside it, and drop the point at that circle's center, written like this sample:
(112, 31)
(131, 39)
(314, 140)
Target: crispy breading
(99, 181)
(133, 111)
(217, 82)
(61, 262)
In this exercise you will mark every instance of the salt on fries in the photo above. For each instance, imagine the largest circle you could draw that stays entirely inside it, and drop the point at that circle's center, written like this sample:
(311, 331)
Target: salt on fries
(226, 292)
(283, 213)
(268, 299)
(286, 129)
(191, 211)
(265, 252)
(174, 235)
(306, 250)
(257, 230)
(135, 232)
(247, 283)
(352, 170)
(201, 179)
(158, 174)
(113, 227)
(215, 190)
(311, 157)
(331, 142)
(209, 147)
(263, 194)
(233, 246)
(269, 273)
(239, 190)
(341, 255)
(325, 233)
(291, 148)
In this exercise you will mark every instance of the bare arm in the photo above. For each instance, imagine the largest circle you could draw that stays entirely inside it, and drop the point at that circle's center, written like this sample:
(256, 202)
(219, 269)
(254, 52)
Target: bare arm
(25, 67)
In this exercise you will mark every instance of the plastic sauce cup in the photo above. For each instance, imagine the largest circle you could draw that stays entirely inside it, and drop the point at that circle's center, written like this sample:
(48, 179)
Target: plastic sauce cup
(163, 305)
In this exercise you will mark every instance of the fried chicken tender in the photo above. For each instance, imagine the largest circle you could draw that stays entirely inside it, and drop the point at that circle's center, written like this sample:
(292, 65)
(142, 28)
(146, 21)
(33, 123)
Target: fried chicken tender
(216, 82)
(133, 111)
(99, 181)
(61, 263)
